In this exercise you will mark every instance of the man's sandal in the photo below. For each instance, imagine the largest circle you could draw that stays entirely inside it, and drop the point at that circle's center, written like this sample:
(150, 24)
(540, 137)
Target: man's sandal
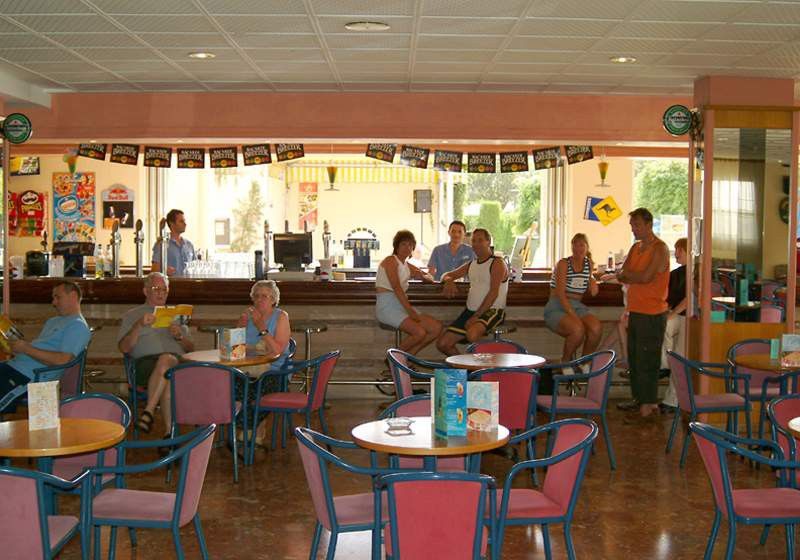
(145, 422)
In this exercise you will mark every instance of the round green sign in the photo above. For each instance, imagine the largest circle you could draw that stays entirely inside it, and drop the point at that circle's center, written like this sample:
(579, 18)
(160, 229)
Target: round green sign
(677, 120)
(17, 128)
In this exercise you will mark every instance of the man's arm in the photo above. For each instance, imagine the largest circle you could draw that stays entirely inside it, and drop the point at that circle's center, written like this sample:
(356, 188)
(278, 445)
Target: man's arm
(659, 263)
(47, 357)
(453, 275)
(127, 342)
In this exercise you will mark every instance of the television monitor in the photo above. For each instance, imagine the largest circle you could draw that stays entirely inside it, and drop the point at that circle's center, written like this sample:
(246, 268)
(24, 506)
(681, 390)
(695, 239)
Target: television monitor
(292, 250)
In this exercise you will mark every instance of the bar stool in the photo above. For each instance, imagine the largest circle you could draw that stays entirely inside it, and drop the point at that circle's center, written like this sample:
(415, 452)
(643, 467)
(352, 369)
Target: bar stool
(307, 328)
(90, 376)
(386, 375)
(398, 334)
(502, 329)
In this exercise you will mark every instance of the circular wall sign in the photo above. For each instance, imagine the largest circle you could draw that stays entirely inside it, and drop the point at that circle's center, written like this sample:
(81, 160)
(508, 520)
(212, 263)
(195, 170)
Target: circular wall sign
(17, 128)
(783, 209)
(677, 120)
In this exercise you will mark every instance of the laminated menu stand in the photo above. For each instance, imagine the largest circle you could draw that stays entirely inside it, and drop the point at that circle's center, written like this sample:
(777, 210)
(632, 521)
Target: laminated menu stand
(449, 402)
(43, 405)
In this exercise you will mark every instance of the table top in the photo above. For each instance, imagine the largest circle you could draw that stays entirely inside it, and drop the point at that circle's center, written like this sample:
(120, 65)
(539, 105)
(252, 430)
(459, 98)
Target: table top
(762, 362)
(212, 356)
(76, 435)
(474, 362)
(794, 427)
(422, 441)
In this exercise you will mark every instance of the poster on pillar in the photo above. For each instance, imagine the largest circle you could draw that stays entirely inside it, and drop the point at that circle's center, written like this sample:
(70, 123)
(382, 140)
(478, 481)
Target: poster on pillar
(117, 205)
(307, 204)
(29, 213)
(73, 207)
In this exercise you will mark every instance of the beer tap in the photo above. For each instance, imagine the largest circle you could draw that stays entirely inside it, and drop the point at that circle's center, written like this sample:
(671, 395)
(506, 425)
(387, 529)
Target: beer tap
(164, 240)
(138, 239)
(45, 252)
(116, 241)
(326, 240)
(267, 240)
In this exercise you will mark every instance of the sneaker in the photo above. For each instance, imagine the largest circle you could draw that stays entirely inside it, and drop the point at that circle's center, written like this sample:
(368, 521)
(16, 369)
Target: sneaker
(628, 405)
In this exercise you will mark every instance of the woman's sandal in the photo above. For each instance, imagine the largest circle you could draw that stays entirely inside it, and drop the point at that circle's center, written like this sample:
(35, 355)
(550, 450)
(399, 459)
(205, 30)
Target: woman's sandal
(145, 422)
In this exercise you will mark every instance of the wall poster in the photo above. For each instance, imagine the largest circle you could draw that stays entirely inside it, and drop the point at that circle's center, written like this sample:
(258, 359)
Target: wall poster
(73, 207)
(117, 205)
(308, 206)
(26, 213)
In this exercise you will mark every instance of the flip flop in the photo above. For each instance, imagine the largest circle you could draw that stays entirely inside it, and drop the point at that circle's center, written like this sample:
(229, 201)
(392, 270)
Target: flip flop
(145, 422)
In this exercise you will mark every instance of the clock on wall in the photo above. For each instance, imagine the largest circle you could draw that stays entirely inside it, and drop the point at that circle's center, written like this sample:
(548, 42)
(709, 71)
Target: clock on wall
(783, 209)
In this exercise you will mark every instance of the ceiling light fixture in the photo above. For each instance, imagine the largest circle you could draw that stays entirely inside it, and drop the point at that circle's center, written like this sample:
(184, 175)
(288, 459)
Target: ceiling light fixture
(201, 55)
(367, 26)
(623, 59)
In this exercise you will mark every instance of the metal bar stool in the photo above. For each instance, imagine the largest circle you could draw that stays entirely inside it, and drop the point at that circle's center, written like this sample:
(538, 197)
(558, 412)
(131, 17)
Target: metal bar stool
(307, 328)
(386, 375)
(504, 328)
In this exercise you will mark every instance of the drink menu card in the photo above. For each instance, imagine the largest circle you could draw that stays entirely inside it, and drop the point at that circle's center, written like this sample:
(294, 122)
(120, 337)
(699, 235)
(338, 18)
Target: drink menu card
(513, 162)
(286, 152)
(577, 154)
(93, 151)
(481, 163)
(191, 158)
(256, 154)
(546, 158)
(156, 156)
(125, 153)
(483, 405)
(383, 152)
(222, 157)
(43, 405)
(414, 156)
(448, 161)
(790, 351)
(232, 344)
(449, 402)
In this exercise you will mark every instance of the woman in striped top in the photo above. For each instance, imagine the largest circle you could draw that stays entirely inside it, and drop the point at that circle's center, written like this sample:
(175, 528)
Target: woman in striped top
(565, 314)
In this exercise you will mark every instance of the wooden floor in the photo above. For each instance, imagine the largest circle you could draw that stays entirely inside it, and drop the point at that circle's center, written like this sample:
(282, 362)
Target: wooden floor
(649, 508)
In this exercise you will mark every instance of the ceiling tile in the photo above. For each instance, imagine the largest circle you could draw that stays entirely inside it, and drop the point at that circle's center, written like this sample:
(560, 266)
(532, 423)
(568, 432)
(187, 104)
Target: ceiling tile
(368, 41)
(471, 8)
(227, 76)
(254, 7)
(464, 77)
(792, 62)
(454, 55)
(47, 67)
(156, 75)
(95, 39)
(67, 23)
(10, 27)
(552, 43)
(583, 78)
(373, 67)
(166, 23)
(787, 12)
(694, 11)
(23, 56)
(170, 86)
(299, 77)
(98, 54)
(191, 41)
(335, 24)
(77, 77)
(137, 65)
(610, 70)
(238, 86)
(22, 40)
(361, 8)
(343, 55)
(105, 86)
(460, 41)
(306, 86)
(539, 56)
(470, 26)
(752, 32)
(699, 59)
(566, 27)
(311, 55)
(510, 87)
(184, 7)
(373, 86)
(528, 68)
(294, 67)
(370, 77)
(727, 47)
(431, 86)
(282, 40)
(635, 47)
(608, 9)
(43, 7)
(579, 88)
(642, 59)
(182, 54)
(265, 24)
(449, 66)
(660, 30)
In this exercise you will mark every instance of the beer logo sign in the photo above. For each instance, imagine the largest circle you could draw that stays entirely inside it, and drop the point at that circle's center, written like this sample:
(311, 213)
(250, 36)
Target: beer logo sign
(481, 163)
(93, 151)
(383, 152)
(577, 154)
(156, 156)
(256, 154)
(286, 152)
(125, 153)
(222, 157)
(414, 156)
(677, 120)
(17, 128)
(191, 158)
(546, 158)
(513, 162)
(444, 160)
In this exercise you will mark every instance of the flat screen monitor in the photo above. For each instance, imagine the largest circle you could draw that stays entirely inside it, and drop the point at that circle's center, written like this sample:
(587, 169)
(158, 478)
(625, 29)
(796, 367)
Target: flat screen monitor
(292, 250)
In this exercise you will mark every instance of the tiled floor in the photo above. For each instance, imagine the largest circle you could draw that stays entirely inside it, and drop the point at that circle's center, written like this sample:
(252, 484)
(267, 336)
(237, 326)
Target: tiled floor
(648, 509)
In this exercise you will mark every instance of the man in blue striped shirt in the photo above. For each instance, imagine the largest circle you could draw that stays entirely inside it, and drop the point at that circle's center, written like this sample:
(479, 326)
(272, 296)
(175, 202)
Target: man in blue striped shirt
(449, 256)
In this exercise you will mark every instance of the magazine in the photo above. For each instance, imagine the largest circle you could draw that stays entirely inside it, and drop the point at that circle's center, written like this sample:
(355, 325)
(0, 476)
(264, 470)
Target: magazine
(169, 314)
(8, 333)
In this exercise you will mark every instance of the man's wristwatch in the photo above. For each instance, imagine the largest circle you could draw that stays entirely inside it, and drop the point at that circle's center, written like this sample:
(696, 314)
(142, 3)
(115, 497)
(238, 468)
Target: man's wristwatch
(265, 332)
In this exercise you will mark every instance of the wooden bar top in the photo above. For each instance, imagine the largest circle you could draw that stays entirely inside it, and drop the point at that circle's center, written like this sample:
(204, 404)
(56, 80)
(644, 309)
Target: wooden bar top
(128, 290)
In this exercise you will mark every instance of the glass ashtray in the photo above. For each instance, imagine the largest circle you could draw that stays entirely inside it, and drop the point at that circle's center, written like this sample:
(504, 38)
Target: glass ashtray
(400, 423)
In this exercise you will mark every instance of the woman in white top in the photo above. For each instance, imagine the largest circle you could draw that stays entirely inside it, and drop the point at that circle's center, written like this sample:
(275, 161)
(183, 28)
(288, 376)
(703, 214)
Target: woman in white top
(392, 306)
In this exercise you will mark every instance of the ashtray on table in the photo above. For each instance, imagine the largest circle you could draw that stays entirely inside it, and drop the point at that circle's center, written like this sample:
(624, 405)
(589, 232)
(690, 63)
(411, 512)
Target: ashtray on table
(400, 425)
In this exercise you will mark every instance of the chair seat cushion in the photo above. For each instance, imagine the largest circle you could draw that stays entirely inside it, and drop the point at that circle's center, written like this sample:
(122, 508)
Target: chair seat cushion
(722, 400)
(772, 391)
(121, 503)
(357, 509)
(283, 400)
(58, 526)
(526, 503)
(767, 503)
(544, 402)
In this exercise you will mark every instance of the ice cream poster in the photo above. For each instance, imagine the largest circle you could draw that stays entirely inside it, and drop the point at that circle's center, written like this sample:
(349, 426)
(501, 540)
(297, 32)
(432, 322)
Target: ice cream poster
(117, 205)
(73, 207)
(308, 205)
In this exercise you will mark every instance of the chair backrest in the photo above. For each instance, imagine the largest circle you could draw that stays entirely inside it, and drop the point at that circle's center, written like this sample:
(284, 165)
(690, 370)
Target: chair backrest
(202, 393)
(563, 479)
(679, 368)
(291, 349)
(193, 473)
(771, 313)
(598, 385)
(415, 405)
(70, 375)
(402, 380)
(743, 348)
(21, 532)
(768, 289)
(501, 346)
(518, 388)
(324, 366)
(98, 406)
(315, 464)
(436, 515)
(780, 412)
(714, 459)
(9, 398)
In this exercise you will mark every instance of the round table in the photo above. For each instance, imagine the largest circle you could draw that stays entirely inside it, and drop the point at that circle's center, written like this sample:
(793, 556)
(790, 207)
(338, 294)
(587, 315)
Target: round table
(75, 435)
(474, 362)
(423, 442)
(794, 427)
(212, 356)
(762, 362)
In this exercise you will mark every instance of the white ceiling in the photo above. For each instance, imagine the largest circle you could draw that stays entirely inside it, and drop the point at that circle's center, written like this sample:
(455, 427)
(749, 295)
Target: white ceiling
(551, 46)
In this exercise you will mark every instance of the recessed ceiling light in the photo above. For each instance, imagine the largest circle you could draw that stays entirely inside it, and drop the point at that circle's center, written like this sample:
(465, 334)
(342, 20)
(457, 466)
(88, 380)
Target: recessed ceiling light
(179, 141)
(445, 141)
(623, 59)
(366, 26)
(202, 55)
(92, 141)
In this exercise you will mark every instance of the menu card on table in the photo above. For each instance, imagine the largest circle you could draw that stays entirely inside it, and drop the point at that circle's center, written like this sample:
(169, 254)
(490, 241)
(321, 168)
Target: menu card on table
(483, 405)
(790, 351)
(449, 402)
(232, 344)
(43, 405)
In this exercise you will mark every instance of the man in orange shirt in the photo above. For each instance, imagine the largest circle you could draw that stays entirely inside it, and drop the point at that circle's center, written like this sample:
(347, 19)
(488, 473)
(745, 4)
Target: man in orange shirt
(646, 271)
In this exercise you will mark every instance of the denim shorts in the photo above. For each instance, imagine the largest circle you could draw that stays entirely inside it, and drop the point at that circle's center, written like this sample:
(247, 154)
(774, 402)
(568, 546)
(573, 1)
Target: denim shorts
(554, 311)
(389, 310)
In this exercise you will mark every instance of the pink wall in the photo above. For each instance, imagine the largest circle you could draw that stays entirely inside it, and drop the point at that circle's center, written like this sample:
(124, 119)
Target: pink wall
(734, 90)
(354, 115)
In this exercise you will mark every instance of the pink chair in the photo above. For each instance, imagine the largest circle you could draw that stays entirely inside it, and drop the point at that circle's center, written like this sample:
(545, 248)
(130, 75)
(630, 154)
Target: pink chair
(771, 313)
(780, 412)
(438, 515)
(555, 503)
(70, 375)
(402, 364)
(750, 506)
(500, 346)
(26, 530)
(122, 507)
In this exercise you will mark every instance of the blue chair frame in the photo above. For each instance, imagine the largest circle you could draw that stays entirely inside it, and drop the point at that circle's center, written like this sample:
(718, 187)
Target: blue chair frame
(777, 429)
(414, 374)
(181, 446)
(45, 485)
(558, 380)
(54, 373)
(551, 430)
(286, 413)
(135, 394)
(705, 368)
(11, 397)
(726, 442)
(235, 376)
(318, 443)
(471, 349)
(488, 486)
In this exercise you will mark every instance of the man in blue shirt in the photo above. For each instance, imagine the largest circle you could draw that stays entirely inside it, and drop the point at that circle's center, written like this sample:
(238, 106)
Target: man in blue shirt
(179, 251)
(62, 338)
(449, 256)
